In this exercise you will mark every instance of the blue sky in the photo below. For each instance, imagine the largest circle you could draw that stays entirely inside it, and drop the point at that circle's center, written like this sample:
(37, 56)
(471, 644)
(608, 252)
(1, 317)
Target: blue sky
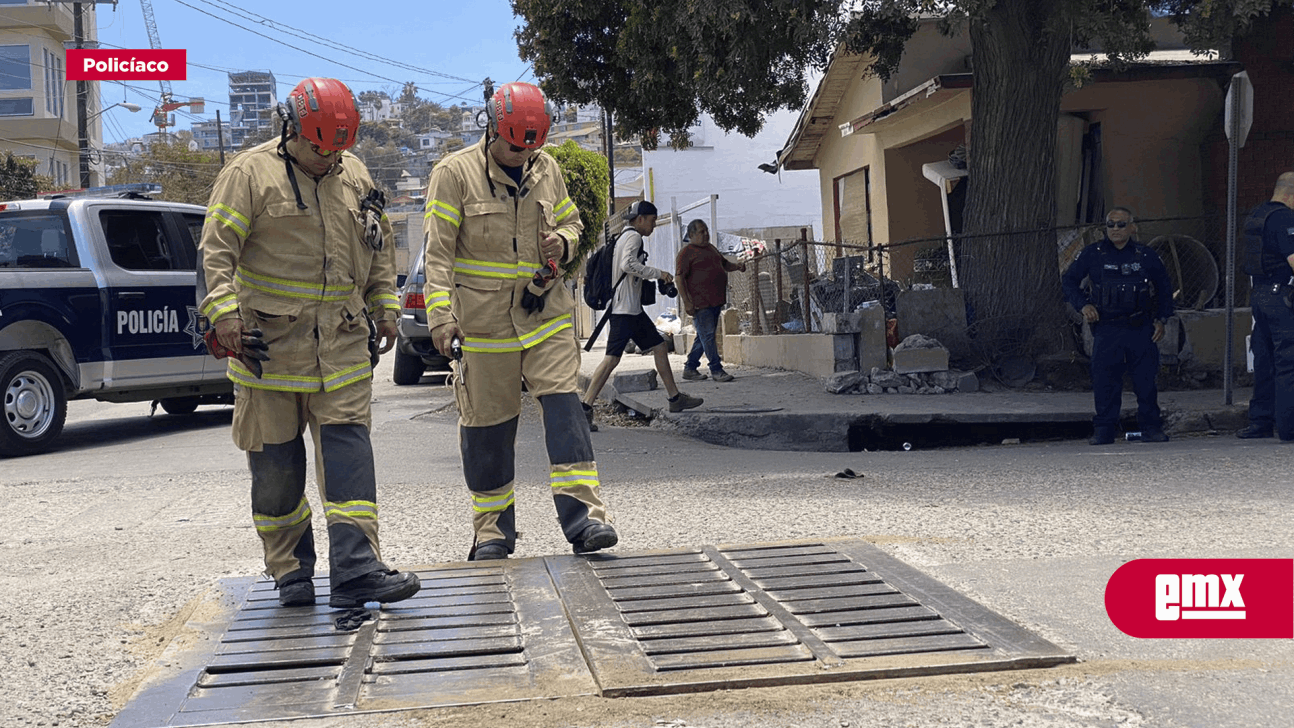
(464, 40)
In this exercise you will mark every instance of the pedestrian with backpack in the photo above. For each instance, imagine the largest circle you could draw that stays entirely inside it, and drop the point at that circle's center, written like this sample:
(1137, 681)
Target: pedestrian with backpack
(628, 320)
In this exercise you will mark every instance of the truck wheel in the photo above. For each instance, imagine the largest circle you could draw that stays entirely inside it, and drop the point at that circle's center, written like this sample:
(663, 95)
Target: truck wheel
(408, 369)
(179, 405)
(34, 403)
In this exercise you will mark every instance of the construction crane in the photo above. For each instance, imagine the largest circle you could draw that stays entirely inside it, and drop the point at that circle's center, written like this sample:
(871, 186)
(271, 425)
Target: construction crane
(161, 113)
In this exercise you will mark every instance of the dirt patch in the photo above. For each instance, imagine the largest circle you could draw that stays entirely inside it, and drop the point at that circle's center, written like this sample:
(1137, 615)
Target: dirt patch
(150, 642)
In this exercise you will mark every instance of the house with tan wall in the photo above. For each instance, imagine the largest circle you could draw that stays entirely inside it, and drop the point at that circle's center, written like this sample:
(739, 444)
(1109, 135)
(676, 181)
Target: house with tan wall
(1134, 136)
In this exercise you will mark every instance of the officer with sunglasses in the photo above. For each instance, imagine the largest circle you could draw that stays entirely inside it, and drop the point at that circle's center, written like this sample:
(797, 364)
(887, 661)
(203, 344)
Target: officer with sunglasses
(1127, 303)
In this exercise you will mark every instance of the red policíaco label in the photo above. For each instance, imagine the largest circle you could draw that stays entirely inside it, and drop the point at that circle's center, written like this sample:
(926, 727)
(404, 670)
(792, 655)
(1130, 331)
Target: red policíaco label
(1203, 598)
(100, 64)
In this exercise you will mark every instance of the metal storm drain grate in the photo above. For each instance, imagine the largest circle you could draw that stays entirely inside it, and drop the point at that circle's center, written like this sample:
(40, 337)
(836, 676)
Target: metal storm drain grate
(475, 633)
(615, 625)
(748, 616)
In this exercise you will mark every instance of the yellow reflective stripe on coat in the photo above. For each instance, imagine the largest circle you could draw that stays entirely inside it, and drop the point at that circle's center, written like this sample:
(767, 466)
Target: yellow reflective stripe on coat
(564, 210)
(379, 302)
(220, 307)
(289, 288)
(567, 478)
(230, 218)
(273, 382)
(439, 299)
(485, 268)
(347, 376)
(445, 212)
(534, 338)
(352, 509)
(278, 523)
(487, 504)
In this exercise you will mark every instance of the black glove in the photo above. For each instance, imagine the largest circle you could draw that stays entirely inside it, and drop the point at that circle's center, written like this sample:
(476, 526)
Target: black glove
(254, 349)
(373, 357)
(531, 302)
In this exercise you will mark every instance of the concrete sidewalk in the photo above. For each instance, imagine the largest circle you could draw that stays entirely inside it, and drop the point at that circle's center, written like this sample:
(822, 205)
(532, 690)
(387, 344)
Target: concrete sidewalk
(771, 409)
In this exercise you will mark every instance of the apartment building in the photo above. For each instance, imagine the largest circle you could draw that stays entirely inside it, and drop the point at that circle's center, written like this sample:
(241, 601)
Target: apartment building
(37, 103)
(252, 98)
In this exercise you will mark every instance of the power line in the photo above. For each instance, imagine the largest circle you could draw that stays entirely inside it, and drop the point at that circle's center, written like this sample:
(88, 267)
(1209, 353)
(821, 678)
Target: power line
(288, 45)
(290, 30)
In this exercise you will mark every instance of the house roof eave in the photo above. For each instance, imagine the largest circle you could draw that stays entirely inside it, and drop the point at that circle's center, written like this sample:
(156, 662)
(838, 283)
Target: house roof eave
(815, 119)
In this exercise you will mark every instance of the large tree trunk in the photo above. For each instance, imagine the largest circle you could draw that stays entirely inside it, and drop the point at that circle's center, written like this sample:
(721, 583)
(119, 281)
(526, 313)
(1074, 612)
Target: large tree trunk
(1012, 282)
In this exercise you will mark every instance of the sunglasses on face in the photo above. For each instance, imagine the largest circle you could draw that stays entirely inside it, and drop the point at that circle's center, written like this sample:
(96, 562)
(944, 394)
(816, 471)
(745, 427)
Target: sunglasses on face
(516, 149)
(321, 152)
(1119, 224)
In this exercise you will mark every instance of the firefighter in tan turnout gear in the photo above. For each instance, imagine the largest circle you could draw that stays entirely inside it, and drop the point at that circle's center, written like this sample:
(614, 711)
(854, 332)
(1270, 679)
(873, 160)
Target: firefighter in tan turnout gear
(498, 223)
(296, 257)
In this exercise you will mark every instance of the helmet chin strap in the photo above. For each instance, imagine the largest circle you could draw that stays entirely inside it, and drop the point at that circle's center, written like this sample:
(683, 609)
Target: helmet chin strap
(288, 159)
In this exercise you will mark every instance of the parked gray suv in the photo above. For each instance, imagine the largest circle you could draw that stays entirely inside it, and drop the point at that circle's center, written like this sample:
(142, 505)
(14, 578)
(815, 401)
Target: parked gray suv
(414, 352)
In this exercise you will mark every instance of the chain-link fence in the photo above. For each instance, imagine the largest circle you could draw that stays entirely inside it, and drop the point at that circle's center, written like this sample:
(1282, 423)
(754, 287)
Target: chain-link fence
(785, 279)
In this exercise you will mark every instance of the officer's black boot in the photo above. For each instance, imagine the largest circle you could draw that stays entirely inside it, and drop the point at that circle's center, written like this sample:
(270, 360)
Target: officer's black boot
(1101, 436)
(1255, 432)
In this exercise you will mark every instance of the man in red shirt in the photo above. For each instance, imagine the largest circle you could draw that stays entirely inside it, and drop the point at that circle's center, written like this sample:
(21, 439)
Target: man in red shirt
(702, 275)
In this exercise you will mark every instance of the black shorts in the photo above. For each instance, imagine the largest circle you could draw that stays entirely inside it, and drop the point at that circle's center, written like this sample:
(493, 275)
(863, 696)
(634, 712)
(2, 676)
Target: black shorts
(638, 327)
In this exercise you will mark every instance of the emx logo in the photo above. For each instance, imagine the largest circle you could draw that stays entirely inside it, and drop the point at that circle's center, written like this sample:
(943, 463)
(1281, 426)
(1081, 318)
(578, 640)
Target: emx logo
(1195, 598)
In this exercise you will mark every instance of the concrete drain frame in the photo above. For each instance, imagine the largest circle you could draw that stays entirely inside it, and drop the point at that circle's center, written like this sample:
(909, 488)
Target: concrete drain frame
(615, 625)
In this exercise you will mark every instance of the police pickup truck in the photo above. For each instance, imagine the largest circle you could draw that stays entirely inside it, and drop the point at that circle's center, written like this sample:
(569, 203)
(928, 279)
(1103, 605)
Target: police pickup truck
(97, 302)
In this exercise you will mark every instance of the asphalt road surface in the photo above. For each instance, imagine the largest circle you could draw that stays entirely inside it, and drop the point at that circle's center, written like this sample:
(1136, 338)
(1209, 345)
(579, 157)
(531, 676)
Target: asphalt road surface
(118, 539)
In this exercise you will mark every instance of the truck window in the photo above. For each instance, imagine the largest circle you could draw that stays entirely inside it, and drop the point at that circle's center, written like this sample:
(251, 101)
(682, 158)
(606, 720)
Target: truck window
(37, 240)
(137, 240)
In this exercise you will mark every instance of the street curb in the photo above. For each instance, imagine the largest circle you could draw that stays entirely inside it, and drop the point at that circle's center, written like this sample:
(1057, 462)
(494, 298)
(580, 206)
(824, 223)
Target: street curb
(830, 431)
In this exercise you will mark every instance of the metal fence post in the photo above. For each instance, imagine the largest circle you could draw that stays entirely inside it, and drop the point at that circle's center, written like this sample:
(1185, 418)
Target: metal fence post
(777, 308)
(804, 243)
(757, 311)
(844, 306)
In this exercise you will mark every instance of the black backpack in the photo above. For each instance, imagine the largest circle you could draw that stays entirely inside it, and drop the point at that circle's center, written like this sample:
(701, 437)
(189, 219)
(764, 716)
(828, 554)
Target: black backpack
(598, 287)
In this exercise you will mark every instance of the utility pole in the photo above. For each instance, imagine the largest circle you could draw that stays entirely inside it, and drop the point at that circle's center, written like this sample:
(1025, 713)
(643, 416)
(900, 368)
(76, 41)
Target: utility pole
(220, 138)
(608, 133)
(82, 91)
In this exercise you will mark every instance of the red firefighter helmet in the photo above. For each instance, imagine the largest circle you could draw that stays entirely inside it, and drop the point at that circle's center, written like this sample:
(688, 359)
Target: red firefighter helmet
(323, 112)
(521, 114)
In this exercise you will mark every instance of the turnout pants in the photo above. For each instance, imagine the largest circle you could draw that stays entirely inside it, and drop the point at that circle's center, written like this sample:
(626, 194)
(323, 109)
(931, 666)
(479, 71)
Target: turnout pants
(1117, 348)
(270, 426)
(488, 390)
(1272, 403)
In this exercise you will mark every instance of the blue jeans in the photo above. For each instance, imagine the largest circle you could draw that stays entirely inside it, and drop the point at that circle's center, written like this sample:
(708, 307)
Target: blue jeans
(707, 322)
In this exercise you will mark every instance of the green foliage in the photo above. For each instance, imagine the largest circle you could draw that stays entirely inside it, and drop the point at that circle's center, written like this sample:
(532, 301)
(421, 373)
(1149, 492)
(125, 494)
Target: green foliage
(185, 176)
(18, 178)
(1210, 24)
(588, 183)
(658, 66)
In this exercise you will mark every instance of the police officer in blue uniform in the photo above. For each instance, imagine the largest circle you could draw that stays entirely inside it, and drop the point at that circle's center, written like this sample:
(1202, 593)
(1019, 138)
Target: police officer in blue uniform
(1269, 259)
(1127, 304)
